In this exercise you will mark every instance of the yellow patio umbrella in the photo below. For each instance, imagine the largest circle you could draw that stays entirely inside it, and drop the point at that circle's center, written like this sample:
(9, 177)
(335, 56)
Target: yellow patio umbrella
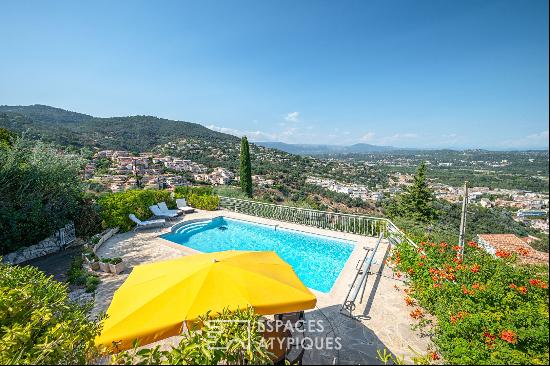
(157, 298)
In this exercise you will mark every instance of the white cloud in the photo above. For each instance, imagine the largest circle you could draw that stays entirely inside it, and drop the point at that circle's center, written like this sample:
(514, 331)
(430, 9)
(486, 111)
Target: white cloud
(293, 117)
(368, 137)
(535, 140)
(252, 135)
(397, 138)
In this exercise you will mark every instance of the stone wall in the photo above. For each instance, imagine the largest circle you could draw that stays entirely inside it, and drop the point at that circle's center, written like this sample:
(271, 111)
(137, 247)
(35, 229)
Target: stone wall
(104, 237)
(59, 240)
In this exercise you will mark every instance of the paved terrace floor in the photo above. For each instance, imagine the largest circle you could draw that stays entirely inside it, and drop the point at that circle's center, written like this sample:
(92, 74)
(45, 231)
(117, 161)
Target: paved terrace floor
(382, 319)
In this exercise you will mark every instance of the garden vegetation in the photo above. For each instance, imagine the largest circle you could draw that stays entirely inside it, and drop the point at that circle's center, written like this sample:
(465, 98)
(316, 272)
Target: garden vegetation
(40, 192)
(234, 342)
(483, 310)
(38, 324)
(115, 207)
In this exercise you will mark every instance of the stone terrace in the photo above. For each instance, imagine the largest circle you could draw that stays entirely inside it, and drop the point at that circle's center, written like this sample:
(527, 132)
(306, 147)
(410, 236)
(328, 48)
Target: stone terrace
(382, 319)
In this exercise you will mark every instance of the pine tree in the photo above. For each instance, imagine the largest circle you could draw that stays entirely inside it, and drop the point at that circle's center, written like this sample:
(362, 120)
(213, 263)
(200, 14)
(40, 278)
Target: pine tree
(246, 168)
(417, 200)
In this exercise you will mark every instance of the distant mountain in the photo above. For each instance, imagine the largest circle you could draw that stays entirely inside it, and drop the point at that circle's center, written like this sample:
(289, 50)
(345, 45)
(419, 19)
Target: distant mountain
(312, 149)
(134, 133)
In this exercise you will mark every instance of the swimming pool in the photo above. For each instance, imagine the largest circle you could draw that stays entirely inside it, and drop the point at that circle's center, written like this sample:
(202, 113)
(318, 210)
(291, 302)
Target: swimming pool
(316, 259)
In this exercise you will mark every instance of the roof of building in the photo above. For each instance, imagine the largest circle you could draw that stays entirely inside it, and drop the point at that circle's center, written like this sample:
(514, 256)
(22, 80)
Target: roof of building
(513, 244)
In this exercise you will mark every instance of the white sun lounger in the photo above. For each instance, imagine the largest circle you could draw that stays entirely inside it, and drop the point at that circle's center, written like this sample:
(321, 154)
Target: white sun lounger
(164, 208)
(182, 205)
(146, 224)
(159, 213)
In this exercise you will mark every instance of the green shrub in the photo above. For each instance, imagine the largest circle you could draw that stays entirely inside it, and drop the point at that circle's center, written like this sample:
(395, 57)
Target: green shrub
(40, 191)
(92, 281)
(115, 207)
(87, 221)
(116, 260)
(228, 343)
(76, 274)
(186, 191)
(38, 324)
(488, 310)
(204, 202)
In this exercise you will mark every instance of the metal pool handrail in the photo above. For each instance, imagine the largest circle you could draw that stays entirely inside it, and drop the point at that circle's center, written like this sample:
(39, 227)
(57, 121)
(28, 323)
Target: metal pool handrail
(350, 223)
(360, 282)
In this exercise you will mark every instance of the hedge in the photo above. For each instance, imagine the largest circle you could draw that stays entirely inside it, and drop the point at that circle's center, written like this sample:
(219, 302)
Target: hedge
(187, 191)
(115, 207)
(201, 197)
(204, 202)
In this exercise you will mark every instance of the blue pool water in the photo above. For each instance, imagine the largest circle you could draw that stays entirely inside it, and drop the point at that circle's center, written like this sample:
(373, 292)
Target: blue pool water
(316, 259)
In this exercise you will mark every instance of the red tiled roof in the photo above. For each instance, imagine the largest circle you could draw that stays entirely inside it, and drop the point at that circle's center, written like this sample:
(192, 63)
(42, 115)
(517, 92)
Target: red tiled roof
(513, 244)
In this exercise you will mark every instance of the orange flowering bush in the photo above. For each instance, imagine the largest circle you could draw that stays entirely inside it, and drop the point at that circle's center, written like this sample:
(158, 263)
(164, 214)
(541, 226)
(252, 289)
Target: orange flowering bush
(487, 309)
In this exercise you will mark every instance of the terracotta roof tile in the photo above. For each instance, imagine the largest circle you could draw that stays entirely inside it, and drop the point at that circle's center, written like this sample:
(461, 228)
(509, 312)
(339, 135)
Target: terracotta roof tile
(513, 244)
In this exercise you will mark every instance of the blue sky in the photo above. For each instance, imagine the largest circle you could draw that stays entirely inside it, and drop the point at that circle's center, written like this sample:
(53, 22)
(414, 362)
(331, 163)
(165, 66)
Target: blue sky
(402, 73)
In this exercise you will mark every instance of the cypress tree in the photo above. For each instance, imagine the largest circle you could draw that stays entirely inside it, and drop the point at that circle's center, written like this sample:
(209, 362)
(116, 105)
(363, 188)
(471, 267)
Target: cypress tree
(417, 201)
(246, 168)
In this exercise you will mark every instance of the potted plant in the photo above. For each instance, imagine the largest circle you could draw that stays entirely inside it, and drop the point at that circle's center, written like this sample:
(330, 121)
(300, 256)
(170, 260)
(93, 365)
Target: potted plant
(116, 265)
(104, 264)
(93, 261)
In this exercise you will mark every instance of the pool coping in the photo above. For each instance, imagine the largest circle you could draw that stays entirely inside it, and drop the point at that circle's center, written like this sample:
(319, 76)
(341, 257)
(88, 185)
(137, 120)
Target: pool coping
(342, 283)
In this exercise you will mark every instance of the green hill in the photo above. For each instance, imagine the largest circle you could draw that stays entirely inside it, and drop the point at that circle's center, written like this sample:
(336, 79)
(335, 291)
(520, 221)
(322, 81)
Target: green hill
(134, 133)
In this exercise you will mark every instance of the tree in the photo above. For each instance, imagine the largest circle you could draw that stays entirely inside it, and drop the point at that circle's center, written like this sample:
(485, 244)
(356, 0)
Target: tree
(246, 168)
(40, 191)
(6, 138)
(417, 201)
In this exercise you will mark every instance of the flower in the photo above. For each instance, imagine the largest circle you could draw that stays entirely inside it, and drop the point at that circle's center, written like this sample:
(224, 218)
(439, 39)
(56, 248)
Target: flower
(410, 271)
(489, 339)
(456, 247)
(522, 289)
(509, 336)
(459, 316)
(538, 283)
(472, 244)
(534, 282)
(513, 286)
(475, 268)
(502, 253)
(523, 251)
(436, 285)
(409, 301)
(434, 356)
(416, 314)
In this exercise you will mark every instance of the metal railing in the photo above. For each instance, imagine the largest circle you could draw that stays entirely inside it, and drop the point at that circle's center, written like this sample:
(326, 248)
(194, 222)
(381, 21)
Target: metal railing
(348, 223)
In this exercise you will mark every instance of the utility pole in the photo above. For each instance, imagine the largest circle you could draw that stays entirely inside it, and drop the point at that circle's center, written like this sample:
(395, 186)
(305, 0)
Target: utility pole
(463, 221)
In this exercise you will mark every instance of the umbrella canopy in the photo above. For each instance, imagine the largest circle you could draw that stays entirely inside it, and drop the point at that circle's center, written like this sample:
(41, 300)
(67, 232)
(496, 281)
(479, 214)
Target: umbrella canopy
(157, 298)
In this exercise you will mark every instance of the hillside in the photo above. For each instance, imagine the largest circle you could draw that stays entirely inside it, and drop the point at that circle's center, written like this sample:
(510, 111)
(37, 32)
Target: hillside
(134, 133)
(315, 149)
